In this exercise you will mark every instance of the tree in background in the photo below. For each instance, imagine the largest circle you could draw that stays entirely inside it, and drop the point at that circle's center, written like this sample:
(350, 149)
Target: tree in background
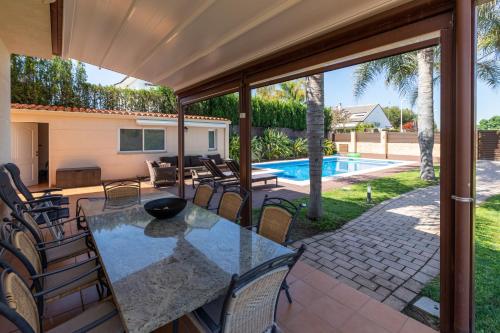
(393, 113)
(340, 116)
(490, 124)
(315, 97)
(293, 90)
(413, 75)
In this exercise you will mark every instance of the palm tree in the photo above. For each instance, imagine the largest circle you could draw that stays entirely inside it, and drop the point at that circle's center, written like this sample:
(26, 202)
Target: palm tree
(414, 73)
(314, 86)
(293, 90)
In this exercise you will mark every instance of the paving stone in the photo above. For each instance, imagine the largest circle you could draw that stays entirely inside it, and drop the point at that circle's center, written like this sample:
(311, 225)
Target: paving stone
(413, 285)
(404, 294)
(364, 273)
(372, 294)
(422, 277)
(343, 263)
(326, 263)
(385, 283)
(383, 291)
(312, 263)
(348, 281)
(393, 264)
(397, 273)
(365, 282)
(395, 303)
(345, 272)
(329, 271)
(324, 255)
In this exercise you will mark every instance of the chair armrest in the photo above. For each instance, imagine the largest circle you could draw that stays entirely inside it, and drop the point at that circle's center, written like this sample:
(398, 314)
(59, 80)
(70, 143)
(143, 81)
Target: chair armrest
(44, 209)
(48, 190)
(62, 285)
(61, 242)
(67, 268)
(97, 322)
(43, 199)
(55, 224)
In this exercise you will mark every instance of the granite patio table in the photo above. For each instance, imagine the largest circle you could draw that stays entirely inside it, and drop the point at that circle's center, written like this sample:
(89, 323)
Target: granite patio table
(160, 270)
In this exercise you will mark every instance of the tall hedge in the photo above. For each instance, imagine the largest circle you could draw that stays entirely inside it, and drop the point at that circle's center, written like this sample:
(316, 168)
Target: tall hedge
(265, 112)
(64, 82)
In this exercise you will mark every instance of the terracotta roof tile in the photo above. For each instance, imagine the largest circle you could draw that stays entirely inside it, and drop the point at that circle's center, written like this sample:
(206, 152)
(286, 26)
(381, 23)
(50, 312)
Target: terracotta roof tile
(110, 112)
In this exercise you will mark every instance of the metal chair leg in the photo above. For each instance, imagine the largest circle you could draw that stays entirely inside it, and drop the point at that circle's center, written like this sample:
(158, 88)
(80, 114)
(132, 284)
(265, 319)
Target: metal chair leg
(286, 288)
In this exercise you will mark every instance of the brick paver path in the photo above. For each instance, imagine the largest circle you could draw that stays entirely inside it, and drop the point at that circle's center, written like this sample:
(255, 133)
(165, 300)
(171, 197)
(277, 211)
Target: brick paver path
(391, 251)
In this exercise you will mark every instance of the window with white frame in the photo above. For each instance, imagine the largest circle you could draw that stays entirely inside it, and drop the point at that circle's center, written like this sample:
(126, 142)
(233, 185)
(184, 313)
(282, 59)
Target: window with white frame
(142, 140)
(212, 139)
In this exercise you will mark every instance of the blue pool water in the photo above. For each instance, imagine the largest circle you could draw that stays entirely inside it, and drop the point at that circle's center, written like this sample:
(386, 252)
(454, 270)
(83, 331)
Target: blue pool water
(298, 170)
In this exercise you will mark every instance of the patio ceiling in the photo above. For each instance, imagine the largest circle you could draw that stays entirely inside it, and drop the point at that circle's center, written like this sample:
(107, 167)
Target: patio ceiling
(178, 43)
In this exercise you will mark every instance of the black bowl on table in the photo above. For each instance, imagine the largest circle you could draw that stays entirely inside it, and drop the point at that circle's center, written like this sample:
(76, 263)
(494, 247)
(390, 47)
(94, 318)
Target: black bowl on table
(165, 208)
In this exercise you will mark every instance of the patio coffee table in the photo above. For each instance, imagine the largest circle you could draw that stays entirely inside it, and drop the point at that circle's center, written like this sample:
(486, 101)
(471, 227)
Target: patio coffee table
(160, 270)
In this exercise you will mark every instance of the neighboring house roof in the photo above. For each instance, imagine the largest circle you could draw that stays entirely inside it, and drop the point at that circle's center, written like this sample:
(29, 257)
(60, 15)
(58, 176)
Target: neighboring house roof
(357, 114)
(53, 108)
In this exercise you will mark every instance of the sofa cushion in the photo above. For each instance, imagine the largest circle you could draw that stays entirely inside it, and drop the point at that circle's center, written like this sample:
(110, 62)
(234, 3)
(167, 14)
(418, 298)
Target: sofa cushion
(154, 164)
(169, 159)
(216, 158)
(195, 161)
(187, 161)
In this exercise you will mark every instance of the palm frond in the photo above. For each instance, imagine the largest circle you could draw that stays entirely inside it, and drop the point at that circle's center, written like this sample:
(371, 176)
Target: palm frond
(365, 74)
(489, 72)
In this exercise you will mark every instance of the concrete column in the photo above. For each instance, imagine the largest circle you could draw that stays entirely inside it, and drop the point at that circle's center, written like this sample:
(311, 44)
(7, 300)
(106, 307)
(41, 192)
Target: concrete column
(4, 113)
(226, 142)
(383, 142)
(4, 104)
(353, 143)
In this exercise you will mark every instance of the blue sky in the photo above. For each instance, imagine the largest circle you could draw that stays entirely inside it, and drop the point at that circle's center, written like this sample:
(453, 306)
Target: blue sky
(339, 89)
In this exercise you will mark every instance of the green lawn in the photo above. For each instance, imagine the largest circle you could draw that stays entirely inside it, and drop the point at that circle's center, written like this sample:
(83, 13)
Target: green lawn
(487, 267)
(344, 204)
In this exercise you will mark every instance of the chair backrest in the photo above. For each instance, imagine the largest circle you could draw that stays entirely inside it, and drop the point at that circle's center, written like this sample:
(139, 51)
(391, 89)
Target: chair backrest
(151, 170)
(211, 167)
(251, 301)
(231, 202)
(25, 221)
(122, 189)
(17, 304)
(15, 173)
(234, 167)
(276, 218)
(21, 241)
(203, 195)
(8, 194)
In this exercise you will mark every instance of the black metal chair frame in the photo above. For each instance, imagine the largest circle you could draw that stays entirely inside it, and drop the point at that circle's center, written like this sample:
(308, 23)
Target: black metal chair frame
(238, 282)
(10, 197)
(15, 173)
(12, 316)
(37, 278)
(235, 169)
(244, 194)
(111, 185)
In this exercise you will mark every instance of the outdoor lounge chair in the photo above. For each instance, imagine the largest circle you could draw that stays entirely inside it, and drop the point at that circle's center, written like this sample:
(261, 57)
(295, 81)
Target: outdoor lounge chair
(231, 202)
(235, 169)
(250, 302)
(162, 174)
(21, 308)
(219, 177)
(51, 285)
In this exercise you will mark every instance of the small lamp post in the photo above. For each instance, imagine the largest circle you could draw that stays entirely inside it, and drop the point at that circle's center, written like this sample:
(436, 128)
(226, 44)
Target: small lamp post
(369, 194)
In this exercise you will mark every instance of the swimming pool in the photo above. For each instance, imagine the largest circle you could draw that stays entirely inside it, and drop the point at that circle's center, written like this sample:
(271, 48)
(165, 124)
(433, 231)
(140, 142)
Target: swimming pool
(333, 166)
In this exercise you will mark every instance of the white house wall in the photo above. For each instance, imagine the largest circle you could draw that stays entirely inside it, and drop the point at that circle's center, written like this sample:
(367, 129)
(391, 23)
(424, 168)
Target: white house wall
(378, 118)
(79, 141)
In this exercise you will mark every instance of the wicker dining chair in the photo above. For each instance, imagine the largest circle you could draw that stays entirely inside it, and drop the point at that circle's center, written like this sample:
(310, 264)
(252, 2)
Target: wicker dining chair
(122, 189)
(231, 202)
(20, 307)
(250, 302)
(51, 285)
(52, 251)
(203, 194)
(277, 217)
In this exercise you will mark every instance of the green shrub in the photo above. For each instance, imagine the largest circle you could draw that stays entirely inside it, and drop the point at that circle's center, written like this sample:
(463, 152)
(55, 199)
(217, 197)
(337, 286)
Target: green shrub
(329, 147)
(299, 147)
(234, 147)
(275, 144)
(257, 149)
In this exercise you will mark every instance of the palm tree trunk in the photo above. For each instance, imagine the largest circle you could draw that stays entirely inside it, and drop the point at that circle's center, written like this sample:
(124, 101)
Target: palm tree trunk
(425, 107)
(315, 132)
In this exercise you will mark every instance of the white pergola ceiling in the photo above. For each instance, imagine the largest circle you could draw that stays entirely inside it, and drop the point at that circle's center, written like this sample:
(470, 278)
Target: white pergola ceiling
(25, 27)
(181, 42)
